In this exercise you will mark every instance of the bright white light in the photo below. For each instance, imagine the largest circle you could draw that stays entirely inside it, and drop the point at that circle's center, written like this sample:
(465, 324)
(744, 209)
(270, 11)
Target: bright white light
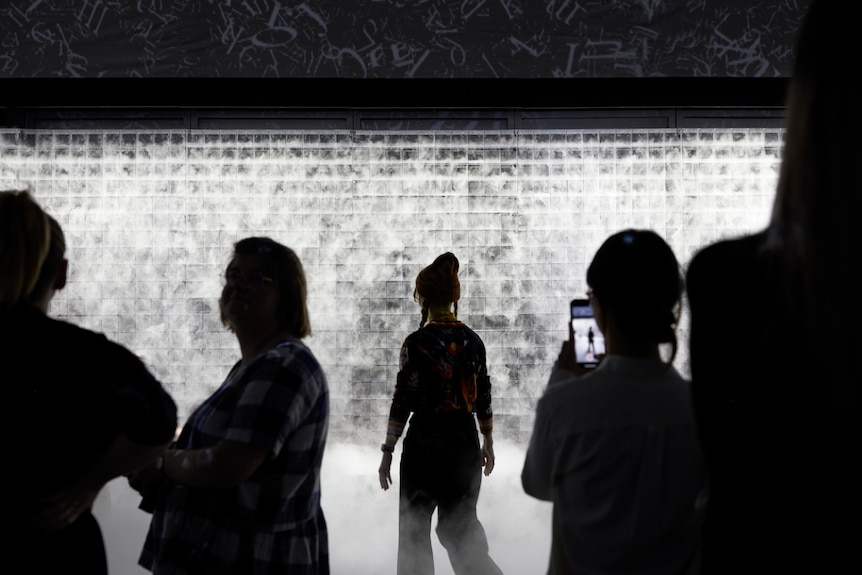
(150, 219)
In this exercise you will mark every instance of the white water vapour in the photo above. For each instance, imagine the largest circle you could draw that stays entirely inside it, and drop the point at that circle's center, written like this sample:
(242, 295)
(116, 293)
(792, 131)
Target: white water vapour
(363, 519)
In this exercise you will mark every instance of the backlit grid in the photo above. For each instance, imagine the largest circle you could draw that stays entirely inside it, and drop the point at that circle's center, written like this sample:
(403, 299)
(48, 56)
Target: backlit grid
(150, 219)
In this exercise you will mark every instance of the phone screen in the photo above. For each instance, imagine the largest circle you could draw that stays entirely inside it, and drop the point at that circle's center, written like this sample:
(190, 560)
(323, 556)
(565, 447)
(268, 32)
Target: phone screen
(589, 341)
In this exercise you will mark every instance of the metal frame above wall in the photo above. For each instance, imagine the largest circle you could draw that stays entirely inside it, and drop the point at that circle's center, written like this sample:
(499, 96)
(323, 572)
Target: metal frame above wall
(414, 120)
(314, 104)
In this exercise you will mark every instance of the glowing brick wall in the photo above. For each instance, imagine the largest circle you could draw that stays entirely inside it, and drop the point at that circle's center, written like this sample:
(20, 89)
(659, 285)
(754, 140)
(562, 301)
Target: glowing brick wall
(151, 216)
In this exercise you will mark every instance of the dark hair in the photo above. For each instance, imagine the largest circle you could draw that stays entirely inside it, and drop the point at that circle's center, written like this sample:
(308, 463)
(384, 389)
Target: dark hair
(24, 241)
(813, 234)
(636, 275)
(56, 254)
(818, 194)
(284, 266)
(438, 284)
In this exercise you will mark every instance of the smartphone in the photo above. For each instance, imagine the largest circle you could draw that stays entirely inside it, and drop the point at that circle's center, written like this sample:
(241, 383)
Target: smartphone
(589, 341)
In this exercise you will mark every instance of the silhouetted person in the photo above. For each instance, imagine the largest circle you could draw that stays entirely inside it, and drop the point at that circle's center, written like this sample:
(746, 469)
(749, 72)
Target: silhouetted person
(443, 380)
(781, 428)
(239, 491)
(591, 345)
(615, 448)
(87, 410)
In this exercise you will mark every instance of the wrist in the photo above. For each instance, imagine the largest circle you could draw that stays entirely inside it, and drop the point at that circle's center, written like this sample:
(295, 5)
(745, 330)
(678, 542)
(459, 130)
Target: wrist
(159, 464)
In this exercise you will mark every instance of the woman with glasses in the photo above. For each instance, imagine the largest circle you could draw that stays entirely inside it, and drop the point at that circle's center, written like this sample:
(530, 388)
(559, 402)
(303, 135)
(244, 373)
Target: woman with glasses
(614, 448)
(239, 491)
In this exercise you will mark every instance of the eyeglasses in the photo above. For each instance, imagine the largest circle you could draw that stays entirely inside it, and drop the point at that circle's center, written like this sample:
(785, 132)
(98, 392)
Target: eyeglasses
(252, 280)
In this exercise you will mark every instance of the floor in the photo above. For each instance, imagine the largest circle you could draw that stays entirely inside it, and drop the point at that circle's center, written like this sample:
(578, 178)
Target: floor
(363, 518)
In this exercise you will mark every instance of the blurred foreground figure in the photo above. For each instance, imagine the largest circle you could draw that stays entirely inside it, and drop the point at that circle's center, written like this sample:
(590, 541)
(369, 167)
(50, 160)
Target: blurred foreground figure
(780, 421)
(443, 380)
(239, 492)
(88, 410)
(615, 448)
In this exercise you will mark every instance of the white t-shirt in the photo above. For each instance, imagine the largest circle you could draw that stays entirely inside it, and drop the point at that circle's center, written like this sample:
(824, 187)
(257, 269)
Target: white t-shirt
(616, 451)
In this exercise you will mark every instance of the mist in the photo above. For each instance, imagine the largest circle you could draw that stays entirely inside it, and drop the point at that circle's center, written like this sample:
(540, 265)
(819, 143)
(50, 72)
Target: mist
(150, 217)
(363, 519)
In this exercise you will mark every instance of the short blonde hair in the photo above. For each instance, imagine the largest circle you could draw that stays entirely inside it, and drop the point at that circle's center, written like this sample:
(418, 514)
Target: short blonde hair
(25, 237)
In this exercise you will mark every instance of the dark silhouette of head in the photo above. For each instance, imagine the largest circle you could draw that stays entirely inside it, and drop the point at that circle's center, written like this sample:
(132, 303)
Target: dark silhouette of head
(636, 277)
(819, 192)
(283, 265)
(813, 234)
(438, 284)
(25, 236)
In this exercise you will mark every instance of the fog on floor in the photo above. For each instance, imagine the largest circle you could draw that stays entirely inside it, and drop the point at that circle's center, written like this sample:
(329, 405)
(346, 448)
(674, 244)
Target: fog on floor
(363, 519)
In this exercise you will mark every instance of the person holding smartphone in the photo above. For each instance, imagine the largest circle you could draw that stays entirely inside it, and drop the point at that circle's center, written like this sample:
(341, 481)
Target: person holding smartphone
(615, 447)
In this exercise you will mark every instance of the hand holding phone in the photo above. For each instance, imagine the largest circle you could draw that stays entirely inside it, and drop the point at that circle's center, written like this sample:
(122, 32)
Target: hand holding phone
(566, 359)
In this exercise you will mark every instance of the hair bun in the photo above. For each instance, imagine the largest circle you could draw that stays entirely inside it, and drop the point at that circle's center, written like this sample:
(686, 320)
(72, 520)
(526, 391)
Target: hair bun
(439, 282)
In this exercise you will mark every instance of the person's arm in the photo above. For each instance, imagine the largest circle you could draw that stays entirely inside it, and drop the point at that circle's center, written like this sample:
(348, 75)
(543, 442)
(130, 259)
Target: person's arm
(274, 402)
(398, 416)
(485, 417)
(147, 419)
(397, 420)
(123, 457)
(225, 464)
(484, 411)
(385, 468)
(488, 458)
